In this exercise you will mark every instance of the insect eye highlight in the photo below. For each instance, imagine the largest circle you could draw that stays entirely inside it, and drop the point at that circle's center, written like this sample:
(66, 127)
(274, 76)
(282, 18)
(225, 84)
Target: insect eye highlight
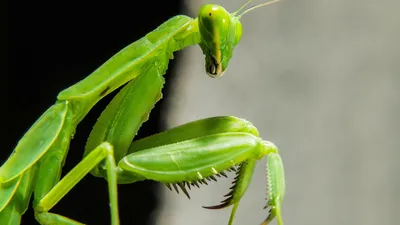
(210, 12)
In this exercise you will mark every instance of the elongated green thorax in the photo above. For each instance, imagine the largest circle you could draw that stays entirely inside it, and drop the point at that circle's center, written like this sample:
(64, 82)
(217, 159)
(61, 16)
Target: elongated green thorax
(220, 32)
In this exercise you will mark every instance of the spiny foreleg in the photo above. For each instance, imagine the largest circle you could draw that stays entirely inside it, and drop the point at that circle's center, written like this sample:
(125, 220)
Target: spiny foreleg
(203, 151)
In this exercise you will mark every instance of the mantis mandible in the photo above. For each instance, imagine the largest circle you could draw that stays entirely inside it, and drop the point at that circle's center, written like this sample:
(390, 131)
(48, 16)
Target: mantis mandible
(182, 157)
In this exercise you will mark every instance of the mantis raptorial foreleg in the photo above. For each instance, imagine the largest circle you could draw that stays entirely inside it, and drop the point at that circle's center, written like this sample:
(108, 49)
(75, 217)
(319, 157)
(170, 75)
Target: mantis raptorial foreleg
(120, 121)
(218, 145)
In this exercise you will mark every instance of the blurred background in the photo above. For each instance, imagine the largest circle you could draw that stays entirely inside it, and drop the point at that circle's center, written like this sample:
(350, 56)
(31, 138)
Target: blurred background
(320, 79)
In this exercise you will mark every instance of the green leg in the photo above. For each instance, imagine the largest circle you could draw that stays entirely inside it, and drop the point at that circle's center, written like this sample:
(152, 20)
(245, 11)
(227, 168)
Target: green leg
(102, 152)
(201, 151)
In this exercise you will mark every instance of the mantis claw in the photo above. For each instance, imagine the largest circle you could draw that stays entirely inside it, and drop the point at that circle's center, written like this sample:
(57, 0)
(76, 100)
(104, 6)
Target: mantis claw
(229, 197)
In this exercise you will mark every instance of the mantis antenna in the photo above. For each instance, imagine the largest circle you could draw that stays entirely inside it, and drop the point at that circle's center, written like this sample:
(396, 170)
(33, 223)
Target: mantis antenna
(253, 7)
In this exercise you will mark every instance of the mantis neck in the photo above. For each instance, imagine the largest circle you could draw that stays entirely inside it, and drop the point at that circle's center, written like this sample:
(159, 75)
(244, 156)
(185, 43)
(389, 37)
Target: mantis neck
(190, 36)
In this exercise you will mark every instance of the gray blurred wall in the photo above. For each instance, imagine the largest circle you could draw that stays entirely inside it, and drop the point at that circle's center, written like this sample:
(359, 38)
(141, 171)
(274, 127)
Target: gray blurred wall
(321, 80)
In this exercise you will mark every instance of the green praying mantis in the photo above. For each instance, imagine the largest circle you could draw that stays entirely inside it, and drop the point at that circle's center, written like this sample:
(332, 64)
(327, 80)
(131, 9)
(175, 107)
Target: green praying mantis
(182, 157)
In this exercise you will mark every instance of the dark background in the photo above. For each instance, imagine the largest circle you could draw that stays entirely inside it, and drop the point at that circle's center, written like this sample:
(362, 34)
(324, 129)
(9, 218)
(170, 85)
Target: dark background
(47, 46)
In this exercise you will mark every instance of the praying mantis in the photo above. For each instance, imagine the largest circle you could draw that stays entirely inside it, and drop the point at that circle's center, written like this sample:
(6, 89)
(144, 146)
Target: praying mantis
(182, 157)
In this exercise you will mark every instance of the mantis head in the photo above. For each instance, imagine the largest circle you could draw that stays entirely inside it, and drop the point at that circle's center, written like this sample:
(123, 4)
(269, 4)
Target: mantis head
(220, 32)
